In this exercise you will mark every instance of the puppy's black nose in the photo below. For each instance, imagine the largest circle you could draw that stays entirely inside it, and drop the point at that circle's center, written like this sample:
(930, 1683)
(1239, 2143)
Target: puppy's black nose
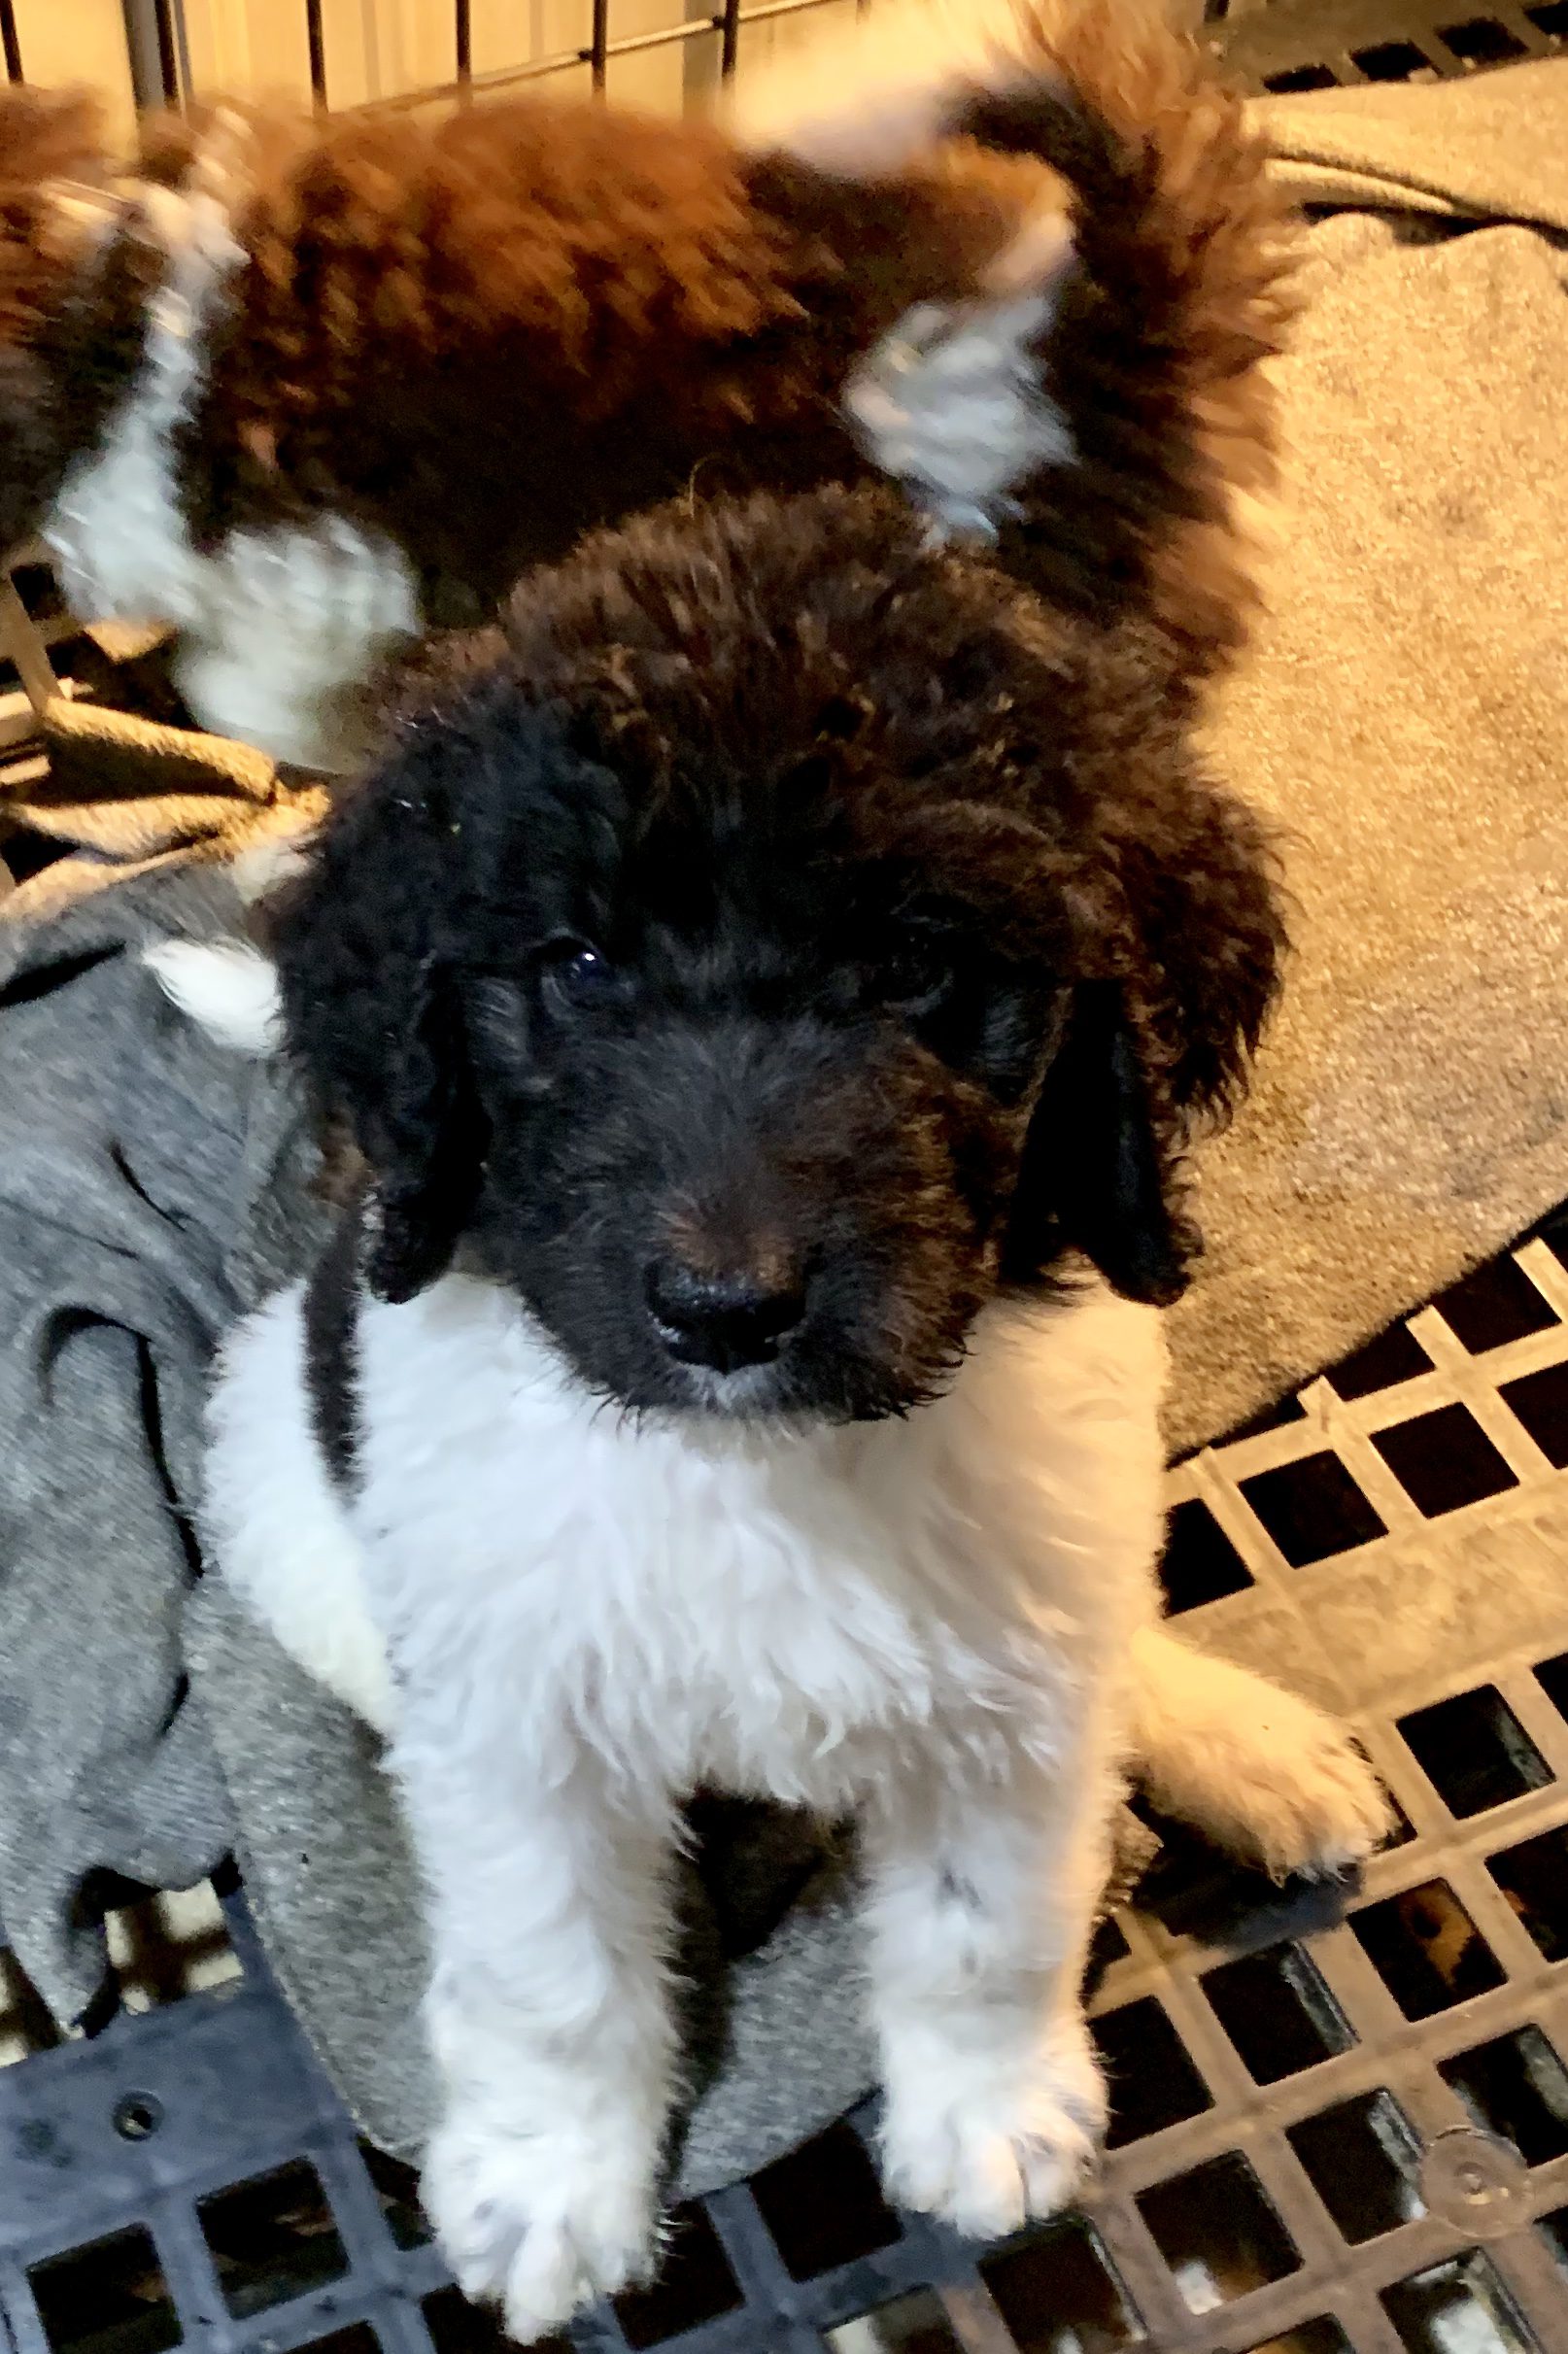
(722, 1320)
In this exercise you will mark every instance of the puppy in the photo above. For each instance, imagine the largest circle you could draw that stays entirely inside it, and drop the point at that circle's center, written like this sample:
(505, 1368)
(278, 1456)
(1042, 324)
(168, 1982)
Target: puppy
(770, 986)
(283, 378)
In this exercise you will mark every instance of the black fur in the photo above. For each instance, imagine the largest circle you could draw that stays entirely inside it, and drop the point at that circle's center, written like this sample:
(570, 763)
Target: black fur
(920, 940)
(331, 1348)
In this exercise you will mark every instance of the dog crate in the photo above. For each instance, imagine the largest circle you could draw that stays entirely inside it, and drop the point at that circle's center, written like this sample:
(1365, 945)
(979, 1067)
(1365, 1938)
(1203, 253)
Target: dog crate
(1341, 2118)
(664, 52)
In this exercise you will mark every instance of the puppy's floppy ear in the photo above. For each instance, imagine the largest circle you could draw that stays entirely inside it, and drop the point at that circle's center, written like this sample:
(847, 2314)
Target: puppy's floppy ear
(1193, 935)
(372, 1001)
(1093, 1174)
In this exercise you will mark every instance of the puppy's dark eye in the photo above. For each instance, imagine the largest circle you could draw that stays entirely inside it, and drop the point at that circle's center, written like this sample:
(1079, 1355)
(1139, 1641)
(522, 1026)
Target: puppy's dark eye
(916, 974)
(574, 975)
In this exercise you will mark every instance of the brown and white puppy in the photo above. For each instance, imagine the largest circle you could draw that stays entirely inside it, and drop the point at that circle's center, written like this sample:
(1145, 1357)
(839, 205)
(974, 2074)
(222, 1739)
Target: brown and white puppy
(1021, 258)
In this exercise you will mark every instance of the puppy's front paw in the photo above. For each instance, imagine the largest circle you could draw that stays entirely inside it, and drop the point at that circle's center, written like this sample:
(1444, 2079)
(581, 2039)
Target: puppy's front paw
(538, 2223)
(987, 2148)
(1322, 1810)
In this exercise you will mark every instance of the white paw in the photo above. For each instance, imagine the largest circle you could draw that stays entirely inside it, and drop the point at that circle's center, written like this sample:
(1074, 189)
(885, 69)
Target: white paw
(1323, 1810)
(985, 2149)
(538, 2223)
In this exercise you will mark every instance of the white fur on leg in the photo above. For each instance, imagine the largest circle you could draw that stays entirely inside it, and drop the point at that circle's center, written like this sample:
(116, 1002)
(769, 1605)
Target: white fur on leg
(548, 2011)
(980, 1903)
(277, 628)
(1261, 1773)
(275, 1525)
(290, 624)
(542, 2221)
(924, 1621)
(227, 988)
(117, 530)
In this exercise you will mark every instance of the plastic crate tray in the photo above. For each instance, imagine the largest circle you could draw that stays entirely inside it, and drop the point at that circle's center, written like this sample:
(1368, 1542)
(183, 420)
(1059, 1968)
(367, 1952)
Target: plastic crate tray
(1309, 45)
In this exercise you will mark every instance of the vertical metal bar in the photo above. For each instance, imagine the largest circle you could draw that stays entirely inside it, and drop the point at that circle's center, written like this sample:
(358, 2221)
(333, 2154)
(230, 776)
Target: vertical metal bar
(463, 34)
(181, 49)
(599, 42)
(318, 54)
(729, 39)
(168, 53)
(144, 51)
(23, 643)
(8, 35)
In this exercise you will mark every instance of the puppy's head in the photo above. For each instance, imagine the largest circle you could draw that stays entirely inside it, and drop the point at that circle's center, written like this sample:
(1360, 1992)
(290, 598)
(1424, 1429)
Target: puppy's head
(781, 937)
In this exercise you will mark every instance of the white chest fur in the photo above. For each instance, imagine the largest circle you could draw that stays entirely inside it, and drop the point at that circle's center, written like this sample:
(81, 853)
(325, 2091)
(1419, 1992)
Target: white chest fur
(925, 1625)
(773, 1611)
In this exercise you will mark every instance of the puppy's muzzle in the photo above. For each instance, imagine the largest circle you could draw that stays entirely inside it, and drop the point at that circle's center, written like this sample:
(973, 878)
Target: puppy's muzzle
(727, 1320)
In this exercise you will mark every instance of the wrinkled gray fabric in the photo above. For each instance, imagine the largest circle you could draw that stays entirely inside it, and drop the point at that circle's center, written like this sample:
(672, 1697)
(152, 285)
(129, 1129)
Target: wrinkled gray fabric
(1406, 715)
(120, 1177)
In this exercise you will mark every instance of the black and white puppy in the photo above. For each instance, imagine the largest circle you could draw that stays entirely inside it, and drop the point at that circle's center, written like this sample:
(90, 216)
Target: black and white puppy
(770, 986)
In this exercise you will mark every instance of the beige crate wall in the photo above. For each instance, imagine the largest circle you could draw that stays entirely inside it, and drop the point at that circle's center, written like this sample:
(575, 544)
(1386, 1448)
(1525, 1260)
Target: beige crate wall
(75, 40)
(380, 49)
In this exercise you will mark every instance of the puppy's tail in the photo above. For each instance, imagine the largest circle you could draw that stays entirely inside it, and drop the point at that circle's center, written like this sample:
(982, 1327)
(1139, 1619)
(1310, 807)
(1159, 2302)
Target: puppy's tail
(1265, 1775)
(1158, 261)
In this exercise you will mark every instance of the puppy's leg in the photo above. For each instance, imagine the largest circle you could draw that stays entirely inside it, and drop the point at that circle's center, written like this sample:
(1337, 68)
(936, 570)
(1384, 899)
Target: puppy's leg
(981, 1902)
(1264, 1774)
(547, 2014)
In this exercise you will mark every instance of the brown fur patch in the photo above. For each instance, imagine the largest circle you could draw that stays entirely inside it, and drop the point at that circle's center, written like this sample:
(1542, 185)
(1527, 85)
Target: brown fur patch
(1183, 288)
(485, 335)
(535, 317)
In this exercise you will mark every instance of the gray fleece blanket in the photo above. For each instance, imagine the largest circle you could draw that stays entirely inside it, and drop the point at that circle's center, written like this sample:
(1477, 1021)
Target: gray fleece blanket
(1406, 718)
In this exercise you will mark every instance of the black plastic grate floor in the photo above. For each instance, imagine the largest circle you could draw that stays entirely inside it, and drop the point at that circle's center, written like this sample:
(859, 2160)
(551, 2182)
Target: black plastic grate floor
(1309, 45)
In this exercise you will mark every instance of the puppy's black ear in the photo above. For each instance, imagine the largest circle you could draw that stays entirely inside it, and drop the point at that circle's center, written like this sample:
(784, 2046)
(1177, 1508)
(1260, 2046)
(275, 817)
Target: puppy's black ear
(1093, 1174)
(372, 1007)
(1192, 927)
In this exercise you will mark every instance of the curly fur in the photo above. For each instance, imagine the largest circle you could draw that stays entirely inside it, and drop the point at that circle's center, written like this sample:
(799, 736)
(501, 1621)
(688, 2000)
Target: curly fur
(803, 680)
(1038, 298)
(754, 978)
(1178, 293)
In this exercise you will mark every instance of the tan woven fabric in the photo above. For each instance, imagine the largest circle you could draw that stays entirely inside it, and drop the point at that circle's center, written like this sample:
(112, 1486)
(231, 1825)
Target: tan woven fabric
(1407, 719)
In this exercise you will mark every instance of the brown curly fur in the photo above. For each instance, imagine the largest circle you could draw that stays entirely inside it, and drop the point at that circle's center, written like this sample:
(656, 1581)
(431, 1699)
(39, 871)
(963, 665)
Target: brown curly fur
(44, 136)
(1183, 288)
(489, 334)
(485, 335)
